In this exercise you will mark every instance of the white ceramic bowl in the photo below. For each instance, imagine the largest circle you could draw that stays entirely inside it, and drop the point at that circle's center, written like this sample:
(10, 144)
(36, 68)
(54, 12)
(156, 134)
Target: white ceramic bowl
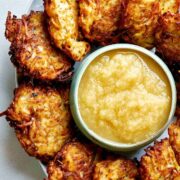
(115, 146)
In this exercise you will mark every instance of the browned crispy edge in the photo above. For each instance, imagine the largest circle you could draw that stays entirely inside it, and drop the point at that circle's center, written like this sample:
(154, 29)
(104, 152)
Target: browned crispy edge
(17, 47)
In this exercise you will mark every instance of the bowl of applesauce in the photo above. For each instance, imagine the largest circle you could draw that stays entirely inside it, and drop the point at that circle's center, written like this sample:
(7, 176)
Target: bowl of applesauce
(122, 97)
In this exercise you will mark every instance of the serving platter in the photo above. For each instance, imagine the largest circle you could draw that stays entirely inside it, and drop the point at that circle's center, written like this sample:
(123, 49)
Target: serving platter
(38, 6)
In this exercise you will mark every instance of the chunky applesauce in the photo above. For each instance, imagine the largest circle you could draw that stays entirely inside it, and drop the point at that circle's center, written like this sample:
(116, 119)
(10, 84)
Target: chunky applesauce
(124, 96)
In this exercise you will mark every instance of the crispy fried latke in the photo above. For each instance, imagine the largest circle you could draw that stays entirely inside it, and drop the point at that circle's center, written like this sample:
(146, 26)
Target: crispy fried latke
(174, 138)
(119, 169)
(63, 27)
(41, 118)
(31, 49)
(99, 20)
(169, 6)
(73, 162)
(140, 20)
(167, 37)
(159, 162)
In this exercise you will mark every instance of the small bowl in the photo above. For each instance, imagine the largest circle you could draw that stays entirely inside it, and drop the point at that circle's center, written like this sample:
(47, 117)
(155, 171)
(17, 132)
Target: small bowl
(105, 143)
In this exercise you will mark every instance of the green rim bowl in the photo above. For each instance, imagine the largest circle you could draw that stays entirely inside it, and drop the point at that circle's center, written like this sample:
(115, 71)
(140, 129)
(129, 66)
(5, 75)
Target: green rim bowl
(105, 143)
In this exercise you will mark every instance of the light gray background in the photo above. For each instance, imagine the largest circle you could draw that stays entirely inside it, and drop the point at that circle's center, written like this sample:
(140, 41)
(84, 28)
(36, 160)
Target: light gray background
(14, 162)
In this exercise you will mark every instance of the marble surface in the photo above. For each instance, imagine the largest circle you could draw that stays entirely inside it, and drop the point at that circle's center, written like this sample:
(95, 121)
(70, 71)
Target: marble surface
(14, 162)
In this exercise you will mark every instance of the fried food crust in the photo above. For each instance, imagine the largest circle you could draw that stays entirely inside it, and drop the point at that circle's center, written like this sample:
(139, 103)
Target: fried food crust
(139, 22)
(99, 20)
(171, 6)
(174, 138)
(41, 118)
(73, 162)
(118, 169)
(140, 18)
(63, 27)
(31, 49)
(159, 162)
(167, 37)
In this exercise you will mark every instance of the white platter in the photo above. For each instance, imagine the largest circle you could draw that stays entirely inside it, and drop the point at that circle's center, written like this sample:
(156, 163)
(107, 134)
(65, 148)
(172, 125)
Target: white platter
(37, 5)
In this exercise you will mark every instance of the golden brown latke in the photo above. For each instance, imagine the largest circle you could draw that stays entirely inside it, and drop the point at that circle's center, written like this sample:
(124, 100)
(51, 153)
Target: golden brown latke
(167, 37)
(73, 162)
(31, 49)
(139, 22)
(41, 118)
(140, 18)
(99, 20)
(169, 6)
(159, 162)
(174, 138)
(63, 27)
(119, 169)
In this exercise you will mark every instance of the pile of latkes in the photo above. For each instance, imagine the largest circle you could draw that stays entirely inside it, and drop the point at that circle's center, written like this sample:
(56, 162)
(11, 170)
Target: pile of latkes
(44, 48)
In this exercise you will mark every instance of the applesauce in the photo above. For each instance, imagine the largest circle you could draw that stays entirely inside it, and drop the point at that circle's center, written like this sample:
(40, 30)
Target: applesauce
(124, 96)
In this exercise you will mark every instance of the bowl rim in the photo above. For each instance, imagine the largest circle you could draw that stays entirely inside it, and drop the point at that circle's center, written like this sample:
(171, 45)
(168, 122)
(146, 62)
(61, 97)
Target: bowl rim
(108, 144)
